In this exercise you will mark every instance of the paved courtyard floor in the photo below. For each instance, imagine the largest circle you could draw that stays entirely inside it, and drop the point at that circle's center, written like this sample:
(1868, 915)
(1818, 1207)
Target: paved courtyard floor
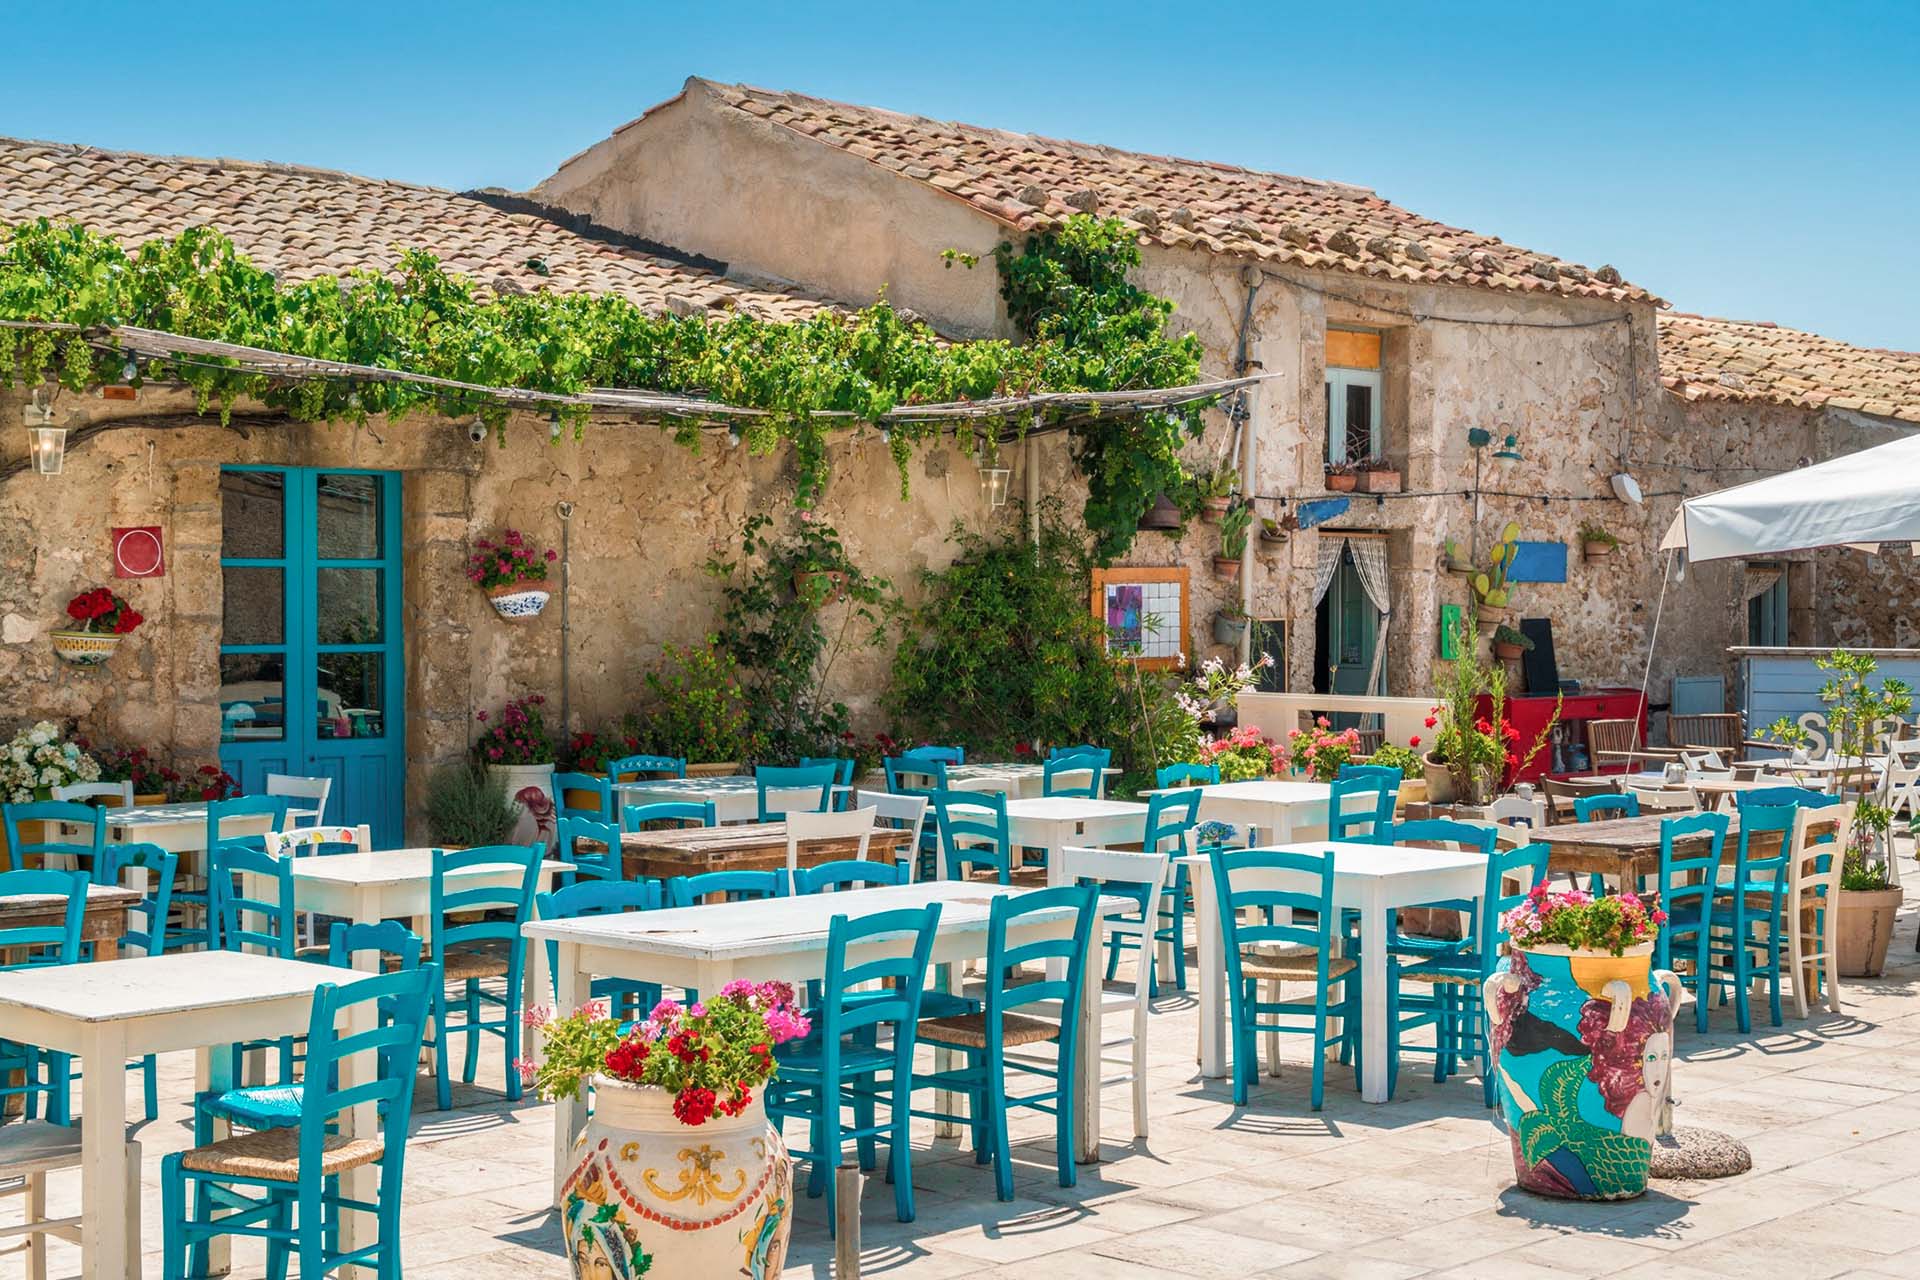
(1830, 1107)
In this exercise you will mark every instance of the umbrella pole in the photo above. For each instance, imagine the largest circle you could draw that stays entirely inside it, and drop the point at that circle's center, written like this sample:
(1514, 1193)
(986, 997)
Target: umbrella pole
(1646, 674)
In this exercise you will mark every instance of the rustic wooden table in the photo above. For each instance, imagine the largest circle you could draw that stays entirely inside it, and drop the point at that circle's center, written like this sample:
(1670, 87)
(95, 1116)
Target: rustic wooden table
(1624, 847)
(103, 925)
(759, 846)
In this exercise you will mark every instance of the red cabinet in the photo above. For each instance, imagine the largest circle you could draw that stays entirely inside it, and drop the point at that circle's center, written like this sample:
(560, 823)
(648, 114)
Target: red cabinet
(1531, 714)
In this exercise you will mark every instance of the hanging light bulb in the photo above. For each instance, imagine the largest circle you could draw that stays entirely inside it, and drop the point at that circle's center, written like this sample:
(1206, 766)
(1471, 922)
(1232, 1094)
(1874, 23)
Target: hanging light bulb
(46, 443)
(130, 370)
(733, 435)
(553, 425)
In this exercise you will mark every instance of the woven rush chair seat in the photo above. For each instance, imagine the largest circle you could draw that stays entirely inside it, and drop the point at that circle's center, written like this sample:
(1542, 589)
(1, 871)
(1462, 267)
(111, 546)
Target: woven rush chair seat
(474, 962)
(1434, 977)
(1289, 964)
(970, 1030)
(274, 1155)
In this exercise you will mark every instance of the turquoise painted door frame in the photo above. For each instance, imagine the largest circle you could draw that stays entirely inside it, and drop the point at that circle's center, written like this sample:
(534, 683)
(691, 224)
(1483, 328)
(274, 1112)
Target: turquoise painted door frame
(311, 670)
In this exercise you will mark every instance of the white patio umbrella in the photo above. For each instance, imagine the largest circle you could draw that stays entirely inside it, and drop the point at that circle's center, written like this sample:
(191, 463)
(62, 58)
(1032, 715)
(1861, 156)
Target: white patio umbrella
(1858, 500)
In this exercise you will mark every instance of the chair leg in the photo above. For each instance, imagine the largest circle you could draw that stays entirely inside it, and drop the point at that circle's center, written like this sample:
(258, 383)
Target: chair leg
(471, 1068)
(997, 1121)
(1270, 992)
(512, 1036)
(278, 1250)
(900, 1143)
(173, 1231)
(1319, 1090)
(150, 1088)
(442, 1087)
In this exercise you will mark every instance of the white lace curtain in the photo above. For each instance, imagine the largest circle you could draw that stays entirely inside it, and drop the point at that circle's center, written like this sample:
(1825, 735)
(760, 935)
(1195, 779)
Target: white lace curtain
(1370, 559)
(1760, 579)
(1330, 547)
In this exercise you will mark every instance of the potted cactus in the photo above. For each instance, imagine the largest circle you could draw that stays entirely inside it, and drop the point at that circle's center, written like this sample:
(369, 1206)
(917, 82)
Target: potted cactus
(1216, 492)
(1457, 561)
(1490, 596)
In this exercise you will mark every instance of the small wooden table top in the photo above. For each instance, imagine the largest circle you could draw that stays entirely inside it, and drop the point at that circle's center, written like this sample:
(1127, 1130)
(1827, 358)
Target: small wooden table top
(105, 920)
(1623, 847)
(756, 846)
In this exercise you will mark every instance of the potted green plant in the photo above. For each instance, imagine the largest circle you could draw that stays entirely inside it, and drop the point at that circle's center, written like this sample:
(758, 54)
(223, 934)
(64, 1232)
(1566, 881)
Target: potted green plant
(1412, 766)
(1274, 532)
(1509, 644)
(1230, 625)
(1588, 1093)
(1234, 527)
(699, 710)
(1215, 489)
(1457, 560)
(1377, 475)
(1596, 541)
(1342, 477)
(467, 807)
(512, 574)
(1319, 750)
(104, 619)
(1490, 594)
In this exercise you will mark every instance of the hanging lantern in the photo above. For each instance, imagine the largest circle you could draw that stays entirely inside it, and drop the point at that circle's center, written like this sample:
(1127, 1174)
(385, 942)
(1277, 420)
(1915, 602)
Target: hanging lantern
(1509, 451)
(993, 481)
(46, 443)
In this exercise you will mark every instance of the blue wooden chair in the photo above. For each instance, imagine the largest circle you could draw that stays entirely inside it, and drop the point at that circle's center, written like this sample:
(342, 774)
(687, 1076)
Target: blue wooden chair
(983, 1039)
(278, 1106)
(289, 1178)
(1775, 797)
(1385, 774)
(1083, 749)
(840, 1064)
(1597, 808)
(627, 768)
(41, 1071)
(265, 925)
(465, 952)
(974, 833)
(627, 999)
(1271, 885)
(79, 851)
(681, 813)
(1169, 819)
(1454, 1005)
(602, 861)
(1186, 775)
(198, 901)
(1060, 775)
(831, 877)
(148, 933)
(806, 788)
(1750, 908)
(1689, 868)
(730, 886)
(937, 754)
(911, 775)
(842, 767)
(601, 789)
(1360, 806)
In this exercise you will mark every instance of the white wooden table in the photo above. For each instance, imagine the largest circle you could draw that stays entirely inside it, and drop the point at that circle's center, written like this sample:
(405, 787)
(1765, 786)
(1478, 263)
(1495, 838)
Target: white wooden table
(1369, 878)
(391, 884)
(113, 1010)
(1283, 811)
(1014, 781)
(1054, 822)
(785, 939)
(735, 799)
(178, 828)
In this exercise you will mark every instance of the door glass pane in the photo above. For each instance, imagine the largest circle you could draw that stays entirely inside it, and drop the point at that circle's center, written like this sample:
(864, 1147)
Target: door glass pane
(254, 608)
(349, 606)
(253, 507)
(1359, 421)
(352, 697)
(348, 517)
(252, 702)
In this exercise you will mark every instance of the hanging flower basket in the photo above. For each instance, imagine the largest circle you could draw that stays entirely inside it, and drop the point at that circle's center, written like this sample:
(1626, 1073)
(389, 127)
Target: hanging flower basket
(512, 573)
(516, 600)
(105, 620)
(84, 648)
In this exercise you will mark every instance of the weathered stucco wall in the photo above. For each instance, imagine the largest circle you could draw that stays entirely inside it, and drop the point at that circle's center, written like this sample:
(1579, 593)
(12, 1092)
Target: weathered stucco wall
(648, 514)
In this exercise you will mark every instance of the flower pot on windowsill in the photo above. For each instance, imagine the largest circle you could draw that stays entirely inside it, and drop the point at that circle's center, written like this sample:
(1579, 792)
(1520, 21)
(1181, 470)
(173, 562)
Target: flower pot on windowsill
(1342, 482)
(1380, 482)
(516, 600)
(1226, 568)
(1596, 550)
(1865, 927)
(1230, 628)
(85, 648)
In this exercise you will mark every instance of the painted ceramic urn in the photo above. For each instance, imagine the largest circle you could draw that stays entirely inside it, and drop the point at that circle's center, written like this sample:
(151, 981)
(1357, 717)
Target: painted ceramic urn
(650, 1196)
(1583, 1051)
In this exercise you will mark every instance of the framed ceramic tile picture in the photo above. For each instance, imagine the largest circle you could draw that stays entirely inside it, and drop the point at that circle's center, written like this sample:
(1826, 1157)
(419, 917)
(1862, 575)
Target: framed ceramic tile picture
(1145, 613)
(1450, 631)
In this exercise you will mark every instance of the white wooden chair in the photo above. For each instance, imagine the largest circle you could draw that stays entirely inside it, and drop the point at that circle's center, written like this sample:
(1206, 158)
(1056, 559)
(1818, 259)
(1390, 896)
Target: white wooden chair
(308, 838)
(119, 793)
(1699, 760)
(1128, 1049)
(314, 789)
(1664, 799)
(802, 827)
(1902, 778)
(1813, 900)
(29, 1151)
(907, 813)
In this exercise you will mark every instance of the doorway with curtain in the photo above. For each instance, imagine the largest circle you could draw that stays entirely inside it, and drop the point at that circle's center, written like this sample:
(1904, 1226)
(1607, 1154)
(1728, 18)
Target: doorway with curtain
(1351, 616)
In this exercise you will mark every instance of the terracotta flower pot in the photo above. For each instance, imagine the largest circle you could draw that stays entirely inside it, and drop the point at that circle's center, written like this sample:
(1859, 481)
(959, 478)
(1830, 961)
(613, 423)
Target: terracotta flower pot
(516, 600)
(85, 648)
(1379, 482)
(651, 1196)
(1507, 652)
(1341, 483)
(1596, 550)
(1226, 568)
(1439, 781)
(1583, 1052)
(1214, 510)
(1865, 927)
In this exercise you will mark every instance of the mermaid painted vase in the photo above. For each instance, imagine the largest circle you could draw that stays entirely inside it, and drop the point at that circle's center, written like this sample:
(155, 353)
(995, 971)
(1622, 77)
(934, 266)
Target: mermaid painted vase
(1583, 1051)
(650, 1196)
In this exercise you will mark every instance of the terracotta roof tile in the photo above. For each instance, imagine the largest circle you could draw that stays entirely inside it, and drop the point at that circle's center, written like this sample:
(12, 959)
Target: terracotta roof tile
(1238, 211)
(300, 222)
(1703, 358)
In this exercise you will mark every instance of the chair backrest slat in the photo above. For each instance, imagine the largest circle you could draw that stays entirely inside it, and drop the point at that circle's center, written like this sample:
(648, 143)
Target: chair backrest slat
(897, 1003)
(1689, 865)
(631, 768)
(82, 847)
(728, 886)
(681, 813)
(33, 944)
(1062, 773)
(1186, 775)
(804, 827)
(1595, 808)
(160, 867)
(801, 788)
(604, 861)
(567, 787)
(1360, 806)
(512, 893)
(1005, 988)
(265, 922)
(974, 832)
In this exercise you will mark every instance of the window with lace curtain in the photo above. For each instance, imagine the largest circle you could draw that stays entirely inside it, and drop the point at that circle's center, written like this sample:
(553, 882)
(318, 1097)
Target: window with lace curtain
(1766, 604)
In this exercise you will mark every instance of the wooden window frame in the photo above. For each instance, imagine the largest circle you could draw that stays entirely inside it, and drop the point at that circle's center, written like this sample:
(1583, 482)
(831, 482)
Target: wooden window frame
(1140, 573)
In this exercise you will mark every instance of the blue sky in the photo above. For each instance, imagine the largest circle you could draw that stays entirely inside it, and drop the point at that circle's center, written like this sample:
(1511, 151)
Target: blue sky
(1754, 160)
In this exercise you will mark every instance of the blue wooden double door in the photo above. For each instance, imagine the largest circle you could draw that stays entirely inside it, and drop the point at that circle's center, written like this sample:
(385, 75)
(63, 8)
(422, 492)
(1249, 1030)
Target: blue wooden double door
(311, 672)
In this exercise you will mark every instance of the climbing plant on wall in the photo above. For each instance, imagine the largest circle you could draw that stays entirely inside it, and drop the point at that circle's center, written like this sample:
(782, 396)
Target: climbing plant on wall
(1086, 329)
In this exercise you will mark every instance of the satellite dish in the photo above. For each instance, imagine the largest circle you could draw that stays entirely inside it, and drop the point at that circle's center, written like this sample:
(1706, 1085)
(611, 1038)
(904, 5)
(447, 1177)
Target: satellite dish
(1626, 488)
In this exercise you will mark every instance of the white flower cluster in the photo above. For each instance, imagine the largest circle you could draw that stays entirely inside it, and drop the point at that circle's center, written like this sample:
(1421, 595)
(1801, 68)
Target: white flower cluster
(1213, 686)
(38, 759)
